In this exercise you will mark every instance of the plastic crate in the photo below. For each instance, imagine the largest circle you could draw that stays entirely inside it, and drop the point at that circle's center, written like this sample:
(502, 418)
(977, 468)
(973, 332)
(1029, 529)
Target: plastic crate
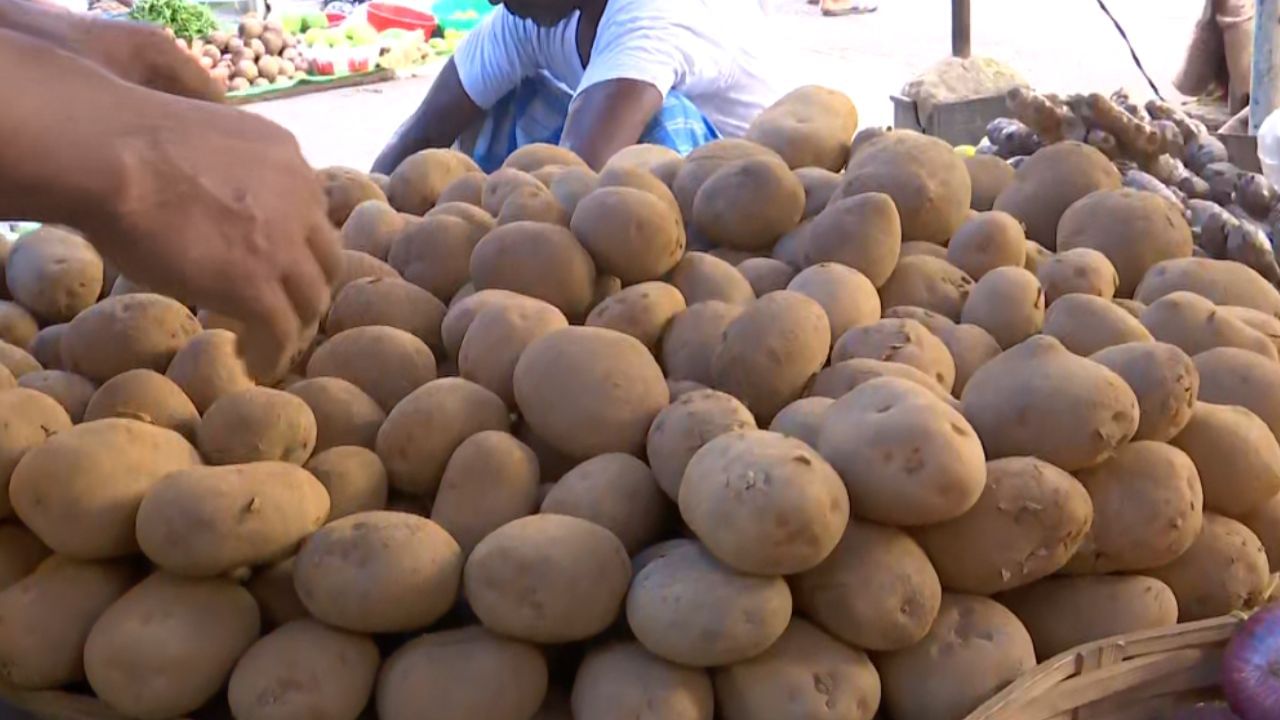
(959, 123)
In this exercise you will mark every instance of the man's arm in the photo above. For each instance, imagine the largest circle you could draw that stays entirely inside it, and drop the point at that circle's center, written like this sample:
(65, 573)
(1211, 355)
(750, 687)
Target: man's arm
(608, 117)
(443, 116)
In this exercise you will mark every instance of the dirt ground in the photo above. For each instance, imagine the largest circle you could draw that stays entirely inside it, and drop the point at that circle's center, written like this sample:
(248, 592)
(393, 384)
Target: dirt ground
(1063, 46)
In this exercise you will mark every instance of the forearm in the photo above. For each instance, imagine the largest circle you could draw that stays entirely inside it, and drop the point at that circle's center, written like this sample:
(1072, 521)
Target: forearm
(443, 116)
(38, 20)
(608, 117)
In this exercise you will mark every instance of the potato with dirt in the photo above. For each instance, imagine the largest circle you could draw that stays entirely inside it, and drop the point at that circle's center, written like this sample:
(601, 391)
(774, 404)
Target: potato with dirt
(539, 260)
(819, 185)
(1134, 229)
(989, 176)
(863, 232)
(386, 363)
(372, 228)
(354, 478)
(971, 347)
(1231, 376)
(810, 126)
(31, 418)
(1237, 456)
(906, 457)
(705, 161)
(617, 492)
(748, 204)
(682, 428)
(491, 480)
(356, 265)
(344, 189)
(900, 341)
(417, 183)
(70, 390)
(1079, 270)
(1051, 181)
(393, 303)
(1163, 378)
(125, 333)
(1027, 524)
(692, 339)
(504, 184)
(1087, 324)
(623, 680)
(208, 367)
(1194, 324)
(498, 336)
(1223, 282)
(701, 277)
(766, 275)
(258, 424)
(987, 241)
(54, 273)
(435, 254)
(148, 396)
(846, 295)
(17, 326)
(1224, 571)
(630, 234)
(841, 378)
(927, 282)
(344, 414)
(643, 311)
(1008, 303)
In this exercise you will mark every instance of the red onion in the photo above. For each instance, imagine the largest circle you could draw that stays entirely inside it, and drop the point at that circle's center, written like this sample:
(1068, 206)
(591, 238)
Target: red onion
(1251, 667)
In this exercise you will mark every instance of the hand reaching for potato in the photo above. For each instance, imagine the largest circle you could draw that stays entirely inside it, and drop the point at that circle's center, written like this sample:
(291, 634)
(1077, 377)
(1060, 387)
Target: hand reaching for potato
(143, 55)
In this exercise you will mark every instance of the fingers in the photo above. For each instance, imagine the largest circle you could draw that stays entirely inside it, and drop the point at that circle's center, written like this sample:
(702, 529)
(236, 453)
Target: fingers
(271, 330)
(326, 245)
(308, 290)
(185, 77)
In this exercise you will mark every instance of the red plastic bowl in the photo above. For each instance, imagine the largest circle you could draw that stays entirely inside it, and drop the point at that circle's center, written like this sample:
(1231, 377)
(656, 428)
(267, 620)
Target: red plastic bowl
(335, 18)
(385, 16)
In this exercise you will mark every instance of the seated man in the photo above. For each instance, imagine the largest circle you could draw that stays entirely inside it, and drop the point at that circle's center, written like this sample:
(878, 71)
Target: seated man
(596, 76)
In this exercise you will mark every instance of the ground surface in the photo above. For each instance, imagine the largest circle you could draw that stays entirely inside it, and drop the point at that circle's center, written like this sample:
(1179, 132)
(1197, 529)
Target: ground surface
(1062, 46)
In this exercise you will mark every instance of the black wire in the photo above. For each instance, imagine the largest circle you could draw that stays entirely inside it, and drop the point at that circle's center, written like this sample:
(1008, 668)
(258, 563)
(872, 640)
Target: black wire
(1136, 60)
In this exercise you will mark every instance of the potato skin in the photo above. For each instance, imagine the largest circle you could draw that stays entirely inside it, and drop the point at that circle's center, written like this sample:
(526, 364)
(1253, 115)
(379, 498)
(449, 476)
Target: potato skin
(631, 234)
(1193, 323)
(989, 176)
(1224, 282)
(167, 646)
(765, 275)
(491, 479)
(31, 418)
(46, 346)
(877, 590)
(344, 414)
(417, 183)
(1086, 324)
(1008, 303)
(435, 254)
(748, 204)
(450, 671)
(810, 127)
(918, 462)
(974, 649)
(643, 311)
(692, 338)
(971, 347)
(847, 297)
(371, 228)
(498, 336)
(685, 426)
(1028, 523)
(987, 241)
(1039, 400)
(701, 277)
(724, 617)
(54, 273)
(617, 492)
(257, 424)
(623, 680)
(1079, 270)
(1231, 376)
(344, 189)
(304, 669)
(17, 326)
(928, 282)
(1163, 378)
(390, 302)
(20, 553)
(782, 527)
(17, 362)
(1134, 229)
(863, 232)
(1052, 180)
(802, 419)
(780, 683)
(46, 617)
(1232, 556)
(208, 367)
(539, 260)
(126, 332)
(841, 378)
(1236, 455)
(1062, 613)
(378, 572)
(1148, 507)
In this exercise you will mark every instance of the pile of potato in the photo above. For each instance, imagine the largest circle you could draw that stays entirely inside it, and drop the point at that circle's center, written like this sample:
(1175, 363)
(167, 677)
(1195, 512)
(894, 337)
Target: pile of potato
(792, 427)
(260, 53)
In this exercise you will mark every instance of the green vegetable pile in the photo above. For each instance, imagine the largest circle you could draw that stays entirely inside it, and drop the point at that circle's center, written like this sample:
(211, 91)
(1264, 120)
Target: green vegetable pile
(188, 20)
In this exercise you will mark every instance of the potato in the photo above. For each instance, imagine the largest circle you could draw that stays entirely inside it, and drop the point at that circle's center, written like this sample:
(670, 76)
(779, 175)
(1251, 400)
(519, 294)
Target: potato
(989, 176)
(46, 346)
(1231, 376)
(255, 425)
(491, 479)
(16, 362)
(1050, 182)
(208, 367)
(589, 391)
(148, 396)
(691, 340)
(811, 126)
(877, 590)
(847, 297)
(533, 203)
(643, 311)
(539, 260)
(988, 241)
(344, 414)
(1264, 522)
(771, 351)
(704, 162)
(466, 188)
(840, 379)
(548, 579)
(435, 254)
(1148, 507)
(571, 185)
(345, 189)
(932, 321)
(1236, 455)
(1268, 325)
(1079, 270)
(971, 347)
(46, 616)
(167, 646)
(498, 336)
(1087, 324)
(688, 608)
(793, 248)
(480, 221)
(616, 492)
(31, 418)
(1028, 523)
(819, 185)
(900, 341)
(1222, 281)
(927, 282)
(622, 680)
(766, 275)
(536, 156)
(926, 180)
(17, 326)
(906, 457)
(629, 233)
(354, 478)
(701, 277)
(20, 553)
(371, 228)
(356, 265)
(863, 232)
(1134, 229)
(1038, 255)
(685, 426)
(1193, 323)
(644, 156)
(974, 649)
(124, 333)
(54, 273)
(1008, 303)
(272, 588)
(1233, 557)
(1040, 400)
(304, 669)
(748, 204)
(781, 527)
(70, 391)
(802, 419)
(79, 490)
(389, 302)
(384, 362)
(449, 674)
(424, 430)
(923, 248)
(416, 185)
(1062, 613)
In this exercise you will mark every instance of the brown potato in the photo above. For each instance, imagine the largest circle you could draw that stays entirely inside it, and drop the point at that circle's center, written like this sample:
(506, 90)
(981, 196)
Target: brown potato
(630, 233)
(539, 260)
(701, 277)
(1148, 507)
(971, 347)
(1268, 325)
(1193, 323)
(810, 126)
(1079, 270)
(900, 341)
(31, 418)
(793, 248)
(272, 588)
(304, 669)
(356, 265)
(989, 176)
(1231, 376)
(463, 311)
(771, 351)
(780, 684)
(988, 241)
(491, 480)
(1040, 400)
(1028, 523)
(1133, 307)
(536, 156)
(17, 326)
(1224, 571)
(1236, 454)
(748, 204)
(148, 396)
(766, 275)
(691, 340)
(466, 188)
(130, 657)
(819, 185)
(255, 425)
(46, 346)
(17, 362)
(393, 303)
(498, 336)
(589, 391)
(1134, 229)
(354, 478)
(863, 232)
(385, 362)
(208, 367)
(451, 673)
(840, 379)
(1062, 613)
(503, 184)
(927, 282)
(704, 162)
(644, 156)
(1052, 180)
(847, 297)
(371, 228)
(534, 204)
(623, 680)
(1008, 303)
(571, 185)
(1264, 522)
(548, 579)
(616, 492)
(20, 552)
(345, 189)
(1165, 381)
(480, 221)
(643, 311)
(781, 527)
(688, 608)
(906, 457)
(932, 321)
(418, 182)
(124, 333)
(1087, 324)
(1038, 255)
(71, 391)
(929, 249)
(685, 426)
(1224, 282)
(53, 273)
(435, 254)
(344, 414)
(802, 419)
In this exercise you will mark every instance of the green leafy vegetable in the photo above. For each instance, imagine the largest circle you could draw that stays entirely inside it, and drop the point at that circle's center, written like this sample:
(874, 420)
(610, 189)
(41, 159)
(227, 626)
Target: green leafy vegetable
(187, 19)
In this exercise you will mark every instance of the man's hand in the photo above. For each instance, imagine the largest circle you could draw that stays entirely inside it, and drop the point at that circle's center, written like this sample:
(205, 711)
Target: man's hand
(143, 55)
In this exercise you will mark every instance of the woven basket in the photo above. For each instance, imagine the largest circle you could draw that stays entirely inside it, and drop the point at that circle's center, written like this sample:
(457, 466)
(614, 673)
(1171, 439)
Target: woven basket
(1141, 676)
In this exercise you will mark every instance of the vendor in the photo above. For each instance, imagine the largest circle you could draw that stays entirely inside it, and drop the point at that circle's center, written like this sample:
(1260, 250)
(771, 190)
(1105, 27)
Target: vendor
(596, 76)
(106, 129)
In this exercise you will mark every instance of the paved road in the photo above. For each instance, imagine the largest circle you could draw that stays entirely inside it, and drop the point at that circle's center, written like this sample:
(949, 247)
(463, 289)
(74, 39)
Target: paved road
(1063, 46)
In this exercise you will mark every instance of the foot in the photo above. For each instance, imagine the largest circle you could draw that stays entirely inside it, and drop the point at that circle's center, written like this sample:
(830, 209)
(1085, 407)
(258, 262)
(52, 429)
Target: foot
(837, 8)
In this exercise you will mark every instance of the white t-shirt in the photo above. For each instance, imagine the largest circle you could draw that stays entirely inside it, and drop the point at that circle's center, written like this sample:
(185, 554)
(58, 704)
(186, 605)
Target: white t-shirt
(712, 51)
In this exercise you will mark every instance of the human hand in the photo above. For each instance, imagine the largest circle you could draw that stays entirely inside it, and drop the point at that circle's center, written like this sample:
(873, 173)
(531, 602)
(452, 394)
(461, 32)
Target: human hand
(143, 55)
(217, 207)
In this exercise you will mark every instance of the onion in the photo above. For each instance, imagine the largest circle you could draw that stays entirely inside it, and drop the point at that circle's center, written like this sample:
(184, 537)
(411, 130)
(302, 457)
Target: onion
(1251, 667)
